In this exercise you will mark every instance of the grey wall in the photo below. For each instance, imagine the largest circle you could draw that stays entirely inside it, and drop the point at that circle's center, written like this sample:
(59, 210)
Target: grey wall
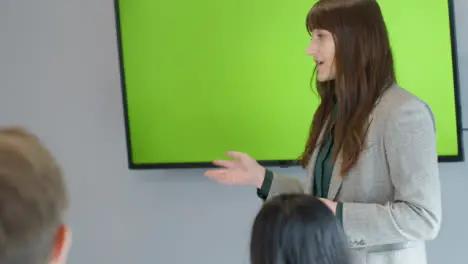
(451, 244)
(59, 77)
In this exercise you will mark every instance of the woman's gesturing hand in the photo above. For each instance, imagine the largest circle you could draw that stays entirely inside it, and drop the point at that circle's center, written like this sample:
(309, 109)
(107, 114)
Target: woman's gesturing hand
(242, 170)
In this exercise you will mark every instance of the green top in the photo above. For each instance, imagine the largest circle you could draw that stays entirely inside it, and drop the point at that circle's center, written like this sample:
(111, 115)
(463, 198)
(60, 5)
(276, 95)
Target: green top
(322, 175)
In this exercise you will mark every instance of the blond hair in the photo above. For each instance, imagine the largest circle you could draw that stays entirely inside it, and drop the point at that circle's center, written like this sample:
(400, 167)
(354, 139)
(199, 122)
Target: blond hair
(33, 198)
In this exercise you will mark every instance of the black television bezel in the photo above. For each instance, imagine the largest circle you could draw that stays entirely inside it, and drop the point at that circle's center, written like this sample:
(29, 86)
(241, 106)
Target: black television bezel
(282, 163)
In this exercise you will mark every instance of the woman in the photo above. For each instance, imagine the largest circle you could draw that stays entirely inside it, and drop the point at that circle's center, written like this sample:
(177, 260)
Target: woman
(371, 154)
(297, 229)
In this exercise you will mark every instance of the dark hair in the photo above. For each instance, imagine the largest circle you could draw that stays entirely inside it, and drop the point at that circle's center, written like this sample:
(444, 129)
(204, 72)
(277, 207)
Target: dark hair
(364, 70)
(297, 229)
(33, 199)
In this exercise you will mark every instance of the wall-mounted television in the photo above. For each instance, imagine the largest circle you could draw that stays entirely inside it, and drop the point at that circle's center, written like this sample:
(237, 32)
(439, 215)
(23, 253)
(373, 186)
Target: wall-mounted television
(203, 77)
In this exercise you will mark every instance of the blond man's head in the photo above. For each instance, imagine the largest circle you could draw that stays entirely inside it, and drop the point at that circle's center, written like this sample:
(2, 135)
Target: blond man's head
(33, 200)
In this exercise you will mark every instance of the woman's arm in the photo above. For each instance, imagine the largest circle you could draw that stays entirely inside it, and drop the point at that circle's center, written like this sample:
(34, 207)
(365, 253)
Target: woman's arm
(415, 214)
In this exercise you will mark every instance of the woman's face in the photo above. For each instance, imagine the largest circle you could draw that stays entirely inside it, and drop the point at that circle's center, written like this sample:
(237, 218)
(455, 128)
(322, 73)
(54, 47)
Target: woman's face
(322, 48)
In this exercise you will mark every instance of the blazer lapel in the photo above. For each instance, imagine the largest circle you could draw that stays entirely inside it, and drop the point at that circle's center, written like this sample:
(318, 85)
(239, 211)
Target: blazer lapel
(311, 165)
(310, 171)
(336, 179)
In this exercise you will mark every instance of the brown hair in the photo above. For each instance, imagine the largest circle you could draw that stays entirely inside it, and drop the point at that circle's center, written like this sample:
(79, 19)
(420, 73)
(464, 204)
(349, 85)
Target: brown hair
(364, 70)
(33, 198)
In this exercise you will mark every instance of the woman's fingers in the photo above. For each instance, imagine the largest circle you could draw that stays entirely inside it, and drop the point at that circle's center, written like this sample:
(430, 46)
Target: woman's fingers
(228, 179)
(214, 174)
(237, 155)
(231, 172)
(222, 176)
(228, 164)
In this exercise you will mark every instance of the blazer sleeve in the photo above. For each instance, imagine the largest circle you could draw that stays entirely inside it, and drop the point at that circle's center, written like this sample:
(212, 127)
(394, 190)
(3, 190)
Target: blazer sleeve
(284, 184)
(415, 212)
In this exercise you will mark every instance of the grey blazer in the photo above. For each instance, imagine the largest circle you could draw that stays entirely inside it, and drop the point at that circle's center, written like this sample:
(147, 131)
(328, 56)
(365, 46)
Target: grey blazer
(391, 198)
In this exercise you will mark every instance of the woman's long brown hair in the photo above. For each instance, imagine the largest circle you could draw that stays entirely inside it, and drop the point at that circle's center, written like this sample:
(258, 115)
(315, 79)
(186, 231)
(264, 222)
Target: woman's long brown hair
(364, 70)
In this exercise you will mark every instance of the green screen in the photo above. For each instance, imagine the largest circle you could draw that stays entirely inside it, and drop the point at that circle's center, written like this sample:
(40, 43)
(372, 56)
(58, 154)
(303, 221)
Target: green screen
(204, 77)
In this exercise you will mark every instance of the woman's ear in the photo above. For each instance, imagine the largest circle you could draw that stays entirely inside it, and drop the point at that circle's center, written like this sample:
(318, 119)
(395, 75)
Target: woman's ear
(62, 245)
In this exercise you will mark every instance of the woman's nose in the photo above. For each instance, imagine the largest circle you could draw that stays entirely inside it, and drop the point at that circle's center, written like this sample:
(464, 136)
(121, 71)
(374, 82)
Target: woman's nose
(311, 50)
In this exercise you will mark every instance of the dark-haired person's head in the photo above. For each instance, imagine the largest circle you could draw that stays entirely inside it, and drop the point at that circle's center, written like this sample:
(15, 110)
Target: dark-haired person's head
(297, 229)
(354, 66)
(33, 200)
